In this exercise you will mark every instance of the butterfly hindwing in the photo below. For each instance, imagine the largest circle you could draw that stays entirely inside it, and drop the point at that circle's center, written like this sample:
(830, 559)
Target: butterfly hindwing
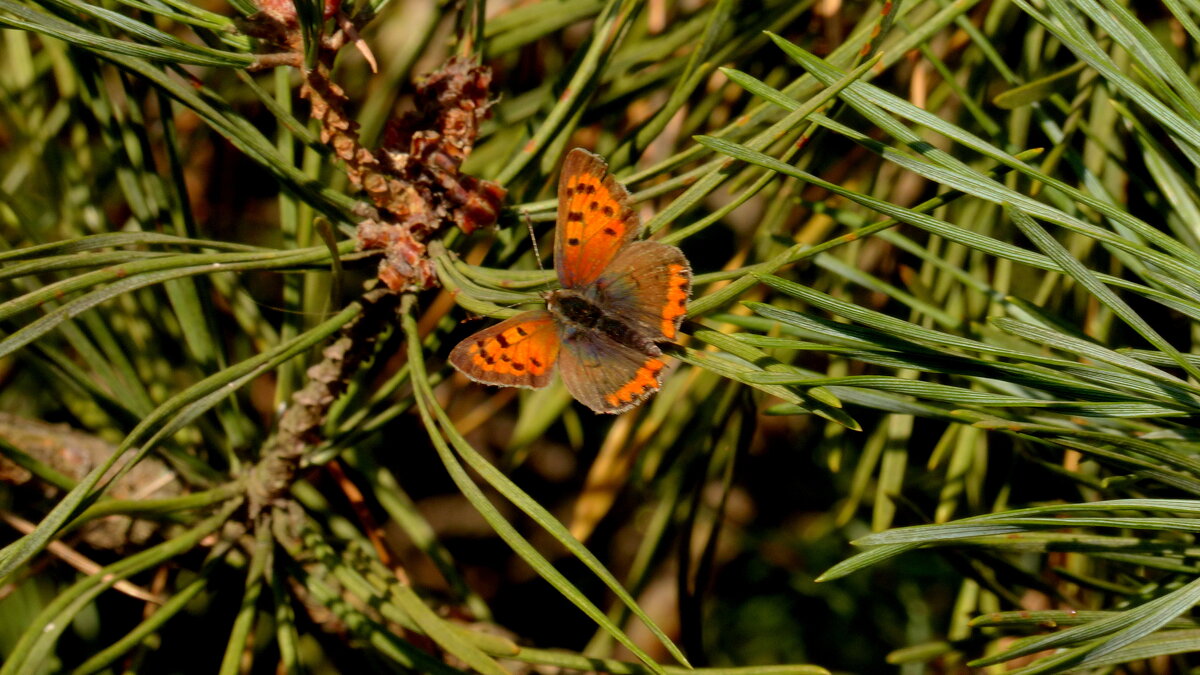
(646, 287)
(605, 375)
(595, 219)
(519, 352)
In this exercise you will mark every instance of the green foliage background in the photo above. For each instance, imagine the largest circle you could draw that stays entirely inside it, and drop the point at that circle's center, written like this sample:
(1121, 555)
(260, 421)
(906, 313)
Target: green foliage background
(935, 409)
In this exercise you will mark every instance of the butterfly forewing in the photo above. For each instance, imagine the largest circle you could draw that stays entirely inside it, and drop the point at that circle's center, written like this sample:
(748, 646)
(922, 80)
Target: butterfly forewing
(646, 287)
(519, 352)
(594, 219)
(605, 375)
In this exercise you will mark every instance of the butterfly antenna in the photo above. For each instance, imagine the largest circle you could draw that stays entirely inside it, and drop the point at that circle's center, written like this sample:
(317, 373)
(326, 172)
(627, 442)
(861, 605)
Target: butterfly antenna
(537, 255)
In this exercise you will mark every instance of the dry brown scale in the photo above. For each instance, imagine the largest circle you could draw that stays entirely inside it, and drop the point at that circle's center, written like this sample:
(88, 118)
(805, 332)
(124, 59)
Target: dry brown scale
(413, 179)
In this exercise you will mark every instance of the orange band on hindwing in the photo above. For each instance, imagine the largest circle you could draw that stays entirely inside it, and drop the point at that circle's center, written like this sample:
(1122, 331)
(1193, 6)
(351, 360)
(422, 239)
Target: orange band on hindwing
(644, 382)
(677, 299)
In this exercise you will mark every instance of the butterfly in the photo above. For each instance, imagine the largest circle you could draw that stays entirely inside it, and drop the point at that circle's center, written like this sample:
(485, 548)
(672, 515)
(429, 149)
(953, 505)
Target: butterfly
(619, 298)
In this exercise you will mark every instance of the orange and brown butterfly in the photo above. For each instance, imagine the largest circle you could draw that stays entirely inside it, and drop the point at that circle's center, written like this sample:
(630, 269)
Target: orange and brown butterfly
(619, 298)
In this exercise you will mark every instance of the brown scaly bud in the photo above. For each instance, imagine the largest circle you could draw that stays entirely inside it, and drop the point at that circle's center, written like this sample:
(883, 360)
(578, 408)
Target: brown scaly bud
(405, 266)
(429, 145)
(276, 34)
(413, 179)
(284, 11)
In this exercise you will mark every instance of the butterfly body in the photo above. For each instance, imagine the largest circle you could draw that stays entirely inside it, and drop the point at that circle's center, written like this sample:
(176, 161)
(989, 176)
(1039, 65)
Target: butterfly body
(578, 315)
(619, 298)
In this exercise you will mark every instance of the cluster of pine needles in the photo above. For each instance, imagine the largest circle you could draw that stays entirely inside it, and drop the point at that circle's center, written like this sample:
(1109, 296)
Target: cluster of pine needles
(933, 406)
